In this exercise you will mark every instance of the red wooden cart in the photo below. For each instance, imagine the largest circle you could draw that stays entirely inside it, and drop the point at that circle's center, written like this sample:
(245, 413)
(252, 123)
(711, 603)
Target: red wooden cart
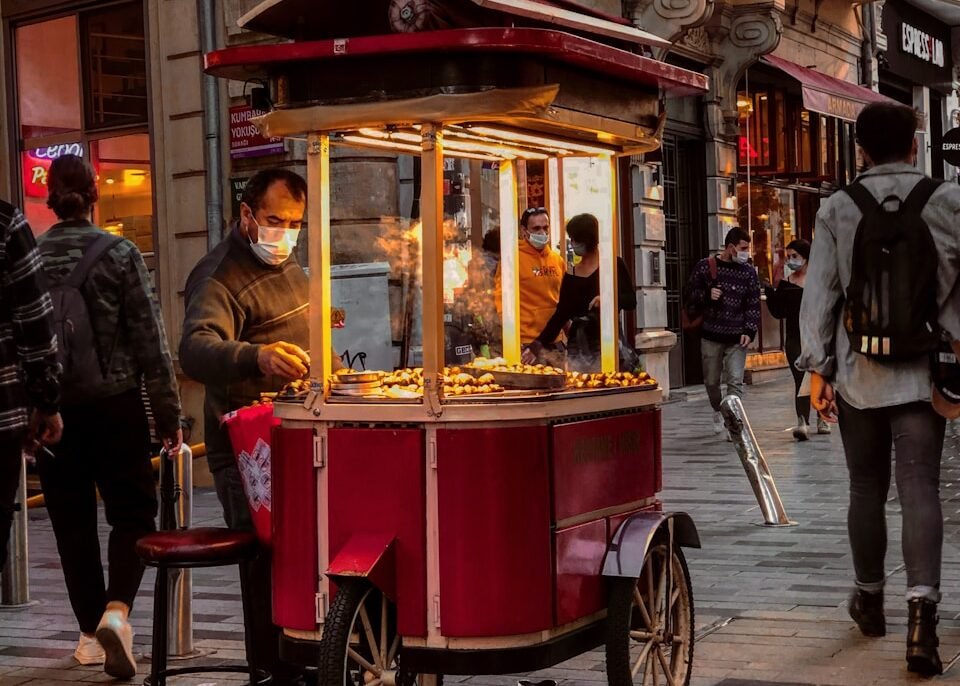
(490, 533)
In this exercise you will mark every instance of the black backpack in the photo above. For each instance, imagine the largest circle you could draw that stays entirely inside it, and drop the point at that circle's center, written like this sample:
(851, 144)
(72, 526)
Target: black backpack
(890, 312)
(84, 372)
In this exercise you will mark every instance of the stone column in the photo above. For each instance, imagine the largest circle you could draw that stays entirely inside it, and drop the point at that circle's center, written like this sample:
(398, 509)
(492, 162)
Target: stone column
(738, 36)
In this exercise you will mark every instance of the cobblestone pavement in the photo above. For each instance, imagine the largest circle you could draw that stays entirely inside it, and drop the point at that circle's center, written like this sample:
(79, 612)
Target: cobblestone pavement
(770, 603)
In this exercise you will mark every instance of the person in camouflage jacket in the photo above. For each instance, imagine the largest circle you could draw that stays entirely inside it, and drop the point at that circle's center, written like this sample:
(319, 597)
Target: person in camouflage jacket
(106, 442)
(29, 373)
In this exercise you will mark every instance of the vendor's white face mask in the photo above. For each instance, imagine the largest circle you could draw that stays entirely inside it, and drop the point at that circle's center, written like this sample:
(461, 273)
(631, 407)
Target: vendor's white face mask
(274, 244)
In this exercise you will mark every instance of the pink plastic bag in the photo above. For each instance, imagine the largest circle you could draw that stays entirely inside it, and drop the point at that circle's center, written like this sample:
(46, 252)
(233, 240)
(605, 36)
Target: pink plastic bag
(249, 429)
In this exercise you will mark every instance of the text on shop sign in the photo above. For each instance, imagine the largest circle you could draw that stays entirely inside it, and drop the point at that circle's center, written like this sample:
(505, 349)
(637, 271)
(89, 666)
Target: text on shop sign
(921, 45)
(246, 139)
(36, 165)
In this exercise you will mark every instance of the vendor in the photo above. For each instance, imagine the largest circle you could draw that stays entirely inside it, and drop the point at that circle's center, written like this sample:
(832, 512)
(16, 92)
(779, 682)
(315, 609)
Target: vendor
(246, 333)
(579, 302)
(541, 270)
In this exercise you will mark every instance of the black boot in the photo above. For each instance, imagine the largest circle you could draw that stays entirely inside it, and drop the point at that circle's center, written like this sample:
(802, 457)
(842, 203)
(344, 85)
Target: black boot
(922, 641)
(866, 609)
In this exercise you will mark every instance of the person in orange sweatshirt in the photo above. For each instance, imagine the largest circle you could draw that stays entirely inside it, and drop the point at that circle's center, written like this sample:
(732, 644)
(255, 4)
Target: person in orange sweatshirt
(541, 272)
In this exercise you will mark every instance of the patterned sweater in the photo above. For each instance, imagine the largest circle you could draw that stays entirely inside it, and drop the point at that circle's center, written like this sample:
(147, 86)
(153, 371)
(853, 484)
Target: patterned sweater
(738, 310)
(125, 316)
(29, 373)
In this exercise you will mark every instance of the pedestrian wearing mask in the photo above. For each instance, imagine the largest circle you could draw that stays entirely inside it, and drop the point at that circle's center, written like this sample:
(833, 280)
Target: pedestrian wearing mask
(245, 333)
(730, 307)
(784, 303)
(106, 445)
(541, 271)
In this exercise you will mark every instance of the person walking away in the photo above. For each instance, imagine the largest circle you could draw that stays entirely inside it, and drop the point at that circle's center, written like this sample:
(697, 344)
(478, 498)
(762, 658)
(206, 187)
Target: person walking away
(580, 299)
(246, 333)
(783, 302)
(112, 340)
(541, 271)
(730, 304)
(29, 373)
(880, 292)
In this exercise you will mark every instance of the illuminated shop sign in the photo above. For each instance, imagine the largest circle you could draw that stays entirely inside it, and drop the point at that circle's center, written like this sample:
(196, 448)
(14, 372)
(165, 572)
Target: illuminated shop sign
(36, 165)
(921, 45)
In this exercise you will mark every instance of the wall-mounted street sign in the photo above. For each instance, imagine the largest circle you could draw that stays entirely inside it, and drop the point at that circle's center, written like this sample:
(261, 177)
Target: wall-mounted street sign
(950, 145)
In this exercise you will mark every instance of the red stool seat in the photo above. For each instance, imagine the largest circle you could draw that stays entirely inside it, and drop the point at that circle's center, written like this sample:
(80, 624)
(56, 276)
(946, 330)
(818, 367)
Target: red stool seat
(201, 546)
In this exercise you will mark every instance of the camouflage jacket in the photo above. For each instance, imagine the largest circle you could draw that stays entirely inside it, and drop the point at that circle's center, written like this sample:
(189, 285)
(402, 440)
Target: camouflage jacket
(124, 314)
(29, 373)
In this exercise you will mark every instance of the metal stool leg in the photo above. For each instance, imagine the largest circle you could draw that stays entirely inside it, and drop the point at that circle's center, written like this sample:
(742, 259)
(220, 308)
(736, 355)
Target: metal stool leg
(160, 615)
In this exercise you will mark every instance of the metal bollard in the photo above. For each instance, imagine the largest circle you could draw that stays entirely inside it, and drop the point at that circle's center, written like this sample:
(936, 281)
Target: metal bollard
(15, 577)
(754, 463)
(176, 512)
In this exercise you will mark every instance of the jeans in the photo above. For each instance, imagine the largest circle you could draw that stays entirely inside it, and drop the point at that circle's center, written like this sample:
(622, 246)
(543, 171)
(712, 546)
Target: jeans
(10, 462)
(722, 362)
(263, 637)
(916, 432)
(801, 402)
(105, 447)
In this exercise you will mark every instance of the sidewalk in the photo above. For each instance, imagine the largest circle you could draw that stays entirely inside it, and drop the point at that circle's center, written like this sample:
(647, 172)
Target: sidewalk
(770, 603)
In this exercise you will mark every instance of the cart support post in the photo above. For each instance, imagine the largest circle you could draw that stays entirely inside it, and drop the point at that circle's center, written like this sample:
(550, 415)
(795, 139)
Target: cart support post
(609, 248)
(176, 512)
(431, 251)
(15, 578)
(318, 249)
(509, 262)
(754, 463)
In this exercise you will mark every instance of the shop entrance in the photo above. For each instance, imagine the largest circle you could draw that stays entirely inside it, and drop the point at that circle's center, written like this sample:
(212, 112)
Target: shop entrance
(685, 215)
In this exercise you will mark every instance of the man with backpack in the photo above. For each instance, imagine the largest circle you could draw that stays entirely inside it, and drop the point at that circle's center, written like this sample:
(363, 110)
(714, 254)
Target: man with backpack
(880, 294)
(724, 298)
(29, 373)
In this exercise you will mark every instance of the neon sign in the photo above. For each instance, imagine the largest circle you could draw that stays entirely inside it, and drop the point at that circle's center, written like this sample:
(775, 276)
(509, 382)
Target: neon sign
(36, 164)
(52, 152)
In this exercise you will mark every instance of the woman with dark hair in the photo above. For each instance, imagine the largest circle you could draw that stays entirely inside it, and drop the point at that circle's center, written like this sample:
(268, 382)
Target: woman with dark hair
(784, 303)
(106, 438)
(580, 298)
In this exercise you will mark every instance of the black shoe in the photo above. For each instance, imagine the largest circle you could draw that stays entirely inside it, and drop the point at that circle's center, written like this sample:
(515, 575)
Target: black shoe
(866, 609)
(922, 641)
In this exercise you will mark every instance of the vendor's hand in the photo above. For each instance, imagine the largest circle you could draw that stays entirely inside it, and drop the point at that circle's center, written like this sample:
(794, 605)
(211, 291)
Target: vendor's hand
(823, 398)
(745, 340)
(715, 293)
(46, 429)
(528, 356)
(286, 360)
(173, 444)
(595, 303)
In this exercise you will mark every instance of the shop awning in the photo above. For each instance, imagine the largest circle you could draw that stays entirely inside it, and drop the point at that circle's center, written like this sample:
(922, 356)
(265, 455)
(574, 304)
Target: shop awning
(826, 94)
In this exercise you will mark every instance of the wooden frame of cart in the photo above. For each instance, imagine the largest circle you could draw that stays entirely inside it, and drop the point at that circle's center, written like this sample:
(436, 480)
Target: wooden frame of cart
(490, 534)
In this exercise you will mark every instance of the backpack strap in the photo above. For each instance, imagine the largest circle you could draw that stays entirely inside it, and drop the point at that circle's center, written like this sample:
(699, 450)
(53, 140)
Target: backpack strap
(712, 265)
(97, 249)
(862, 197)
(920, 194)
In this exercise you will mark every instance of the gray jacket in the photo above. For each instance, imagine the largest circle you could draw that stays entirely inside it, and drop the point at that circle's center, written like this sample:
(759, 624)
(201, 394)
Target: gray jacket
(865, 383)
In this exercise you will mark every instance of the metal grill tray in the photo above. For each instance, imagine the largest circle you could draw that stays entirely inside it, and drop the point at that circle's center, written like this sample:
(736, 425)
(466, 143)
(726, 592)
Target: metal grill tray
(520, 380)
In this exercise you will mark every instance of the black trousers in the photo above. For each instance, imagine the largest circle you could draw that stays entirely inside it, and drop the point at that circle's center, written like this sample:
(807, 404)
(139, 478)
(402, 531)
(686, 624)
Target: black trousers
(10, 463)
(802, 403)
(105, 447)
(256, 587)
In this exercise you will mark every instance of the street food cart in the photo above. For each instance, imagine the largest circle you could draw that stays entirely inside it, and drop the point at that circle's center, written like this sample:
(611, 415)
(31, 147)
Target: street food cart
(421, 528)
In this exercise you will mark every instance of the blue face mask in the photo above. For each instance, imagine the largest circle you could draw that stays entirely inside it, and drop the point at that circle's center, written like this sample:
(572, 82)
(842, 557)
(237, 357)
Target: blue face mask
(578, 248)
(743, 256)
(538, 240)
(795, 265)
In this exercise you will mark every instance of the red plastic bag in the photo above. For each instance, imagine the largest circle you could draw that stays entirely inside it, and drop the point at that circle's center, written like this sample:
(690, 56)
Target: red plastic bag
(249, 429)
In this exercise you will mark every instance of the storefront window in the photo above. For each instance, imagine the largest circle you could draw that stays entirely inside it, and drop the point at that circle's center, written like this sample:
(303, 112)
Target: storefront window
(126, 191)
(48, 78)
(755, 127)
(115, 66)
(770, 212)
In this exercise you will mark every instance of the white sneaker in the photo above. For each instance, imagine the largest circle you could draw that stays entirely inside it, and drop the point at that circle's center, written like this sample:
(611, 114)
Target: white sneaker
(89, 651)
(717, 423)
(822, 426)
(116, 636)
(801, 431)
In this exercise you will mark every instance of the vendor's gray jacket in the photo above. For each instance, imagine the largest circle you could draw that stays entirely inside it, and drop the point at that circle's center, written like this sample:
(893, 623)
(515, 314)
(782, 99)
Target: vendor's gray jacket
(861, 381)
(235, 304)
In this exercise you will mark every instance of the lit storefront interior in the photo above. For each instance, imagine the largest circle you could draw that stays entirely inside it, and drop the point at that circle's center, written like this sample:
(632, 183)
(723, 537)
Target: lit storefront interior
(82, 88)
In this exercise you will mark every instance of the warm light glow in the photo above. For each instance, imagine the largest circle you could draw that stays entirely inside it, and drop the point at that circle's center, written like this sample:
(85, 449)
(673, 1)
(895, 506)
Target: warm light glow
(455, 261)
(491, 150)
(730, 202)
(110, 182)
(540, 141)
(134, 177)
(469, 134)
(509, 263)
(377, 143)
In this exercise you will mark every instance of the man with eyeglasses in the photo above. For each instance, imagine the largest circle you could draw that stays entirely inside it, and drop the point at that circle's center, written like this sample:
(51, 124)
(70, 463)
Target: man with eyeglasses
(540, 270)
(245, 333)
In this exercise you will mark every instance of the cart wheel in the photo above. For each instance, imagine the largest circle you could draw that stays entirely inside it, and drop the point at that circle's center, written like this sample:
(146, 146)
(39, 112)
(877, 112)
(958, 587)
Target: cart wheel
(650, 641)
(361, 646)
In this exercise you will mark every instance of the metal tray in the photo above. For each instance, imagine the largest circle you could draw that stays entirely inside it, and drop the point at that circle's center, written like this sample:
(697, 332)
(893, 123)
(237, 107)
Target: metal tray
(356, 377)
(519, 380)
